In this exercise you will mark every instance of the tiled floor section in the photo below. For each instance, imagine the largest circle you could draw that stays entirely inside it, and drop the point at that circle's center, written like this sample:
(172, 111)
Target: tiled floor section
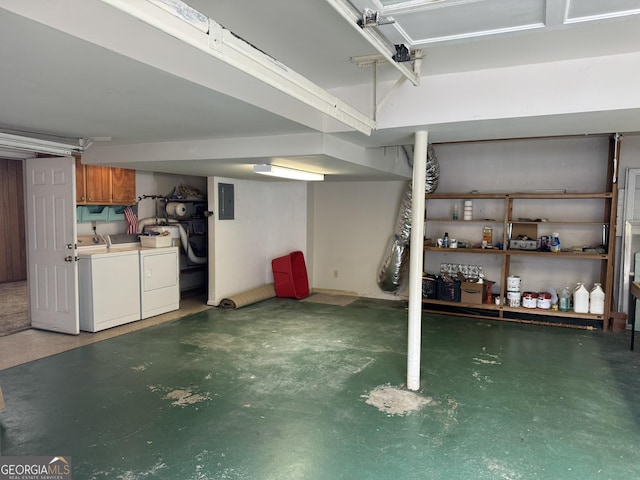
(29, 345)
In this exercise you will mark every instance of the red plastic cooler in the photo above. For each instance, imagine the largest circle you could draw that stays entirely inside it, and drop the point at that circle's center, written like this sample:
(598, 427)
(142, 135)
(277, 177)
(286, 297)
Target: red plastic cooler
(290, 276)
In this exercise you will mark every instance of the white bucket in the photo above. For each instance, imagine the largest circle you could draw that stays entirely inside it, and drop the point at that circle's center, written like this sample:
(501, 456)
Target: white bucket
(513, 283)
(544, 300)
(529, 300)
(513, 298)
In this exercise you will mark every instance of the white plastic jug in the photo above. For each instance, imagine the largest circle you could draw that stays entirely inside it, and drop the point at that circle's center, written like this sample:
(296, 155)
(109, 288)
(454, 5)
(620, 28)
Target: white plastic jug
(596, 300)
(581, 299)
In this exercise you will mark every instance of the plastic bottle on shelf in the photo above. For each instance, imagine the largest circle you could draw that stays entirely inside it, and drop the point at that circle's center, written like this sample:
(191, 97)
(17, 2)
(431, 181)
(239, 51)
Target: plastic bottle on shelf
(445, 240)
(454, 215)
(564, 302)
(555, 242)
(596, 300)
(581, 299)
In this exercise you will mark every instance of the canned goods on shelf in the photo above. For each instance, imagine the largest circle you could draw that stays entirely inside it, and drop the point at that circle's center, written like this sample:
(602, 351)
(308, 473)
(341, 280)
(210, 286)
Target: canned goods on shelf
(529, 299)
(544, 300)
(513, 299)
(513, 283)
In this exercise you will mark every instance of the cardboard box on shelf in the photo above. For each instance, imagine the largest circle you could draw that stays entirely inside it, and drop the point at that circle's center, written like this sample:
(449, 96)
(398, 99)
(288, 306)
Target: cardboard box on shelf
(471, 291)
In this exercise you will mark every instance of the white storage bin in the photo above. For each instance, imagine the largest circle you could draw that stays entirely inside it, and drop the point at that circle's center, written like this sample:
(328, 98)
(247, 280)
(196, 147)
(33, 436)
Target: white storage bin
(155, 241)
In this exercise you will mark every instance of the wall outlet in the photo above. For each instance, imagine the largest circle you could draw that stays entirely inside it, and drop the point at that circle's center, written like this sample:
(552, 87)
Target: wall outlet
(335, 274)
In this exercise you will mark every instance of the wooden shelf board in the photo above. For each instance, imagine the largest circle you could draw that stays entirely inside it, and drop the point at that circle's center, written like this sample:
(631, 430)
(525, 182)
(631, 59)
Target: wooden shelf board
(493, 251)
(516, 195)
(576, 255)
(556, 222)
(504, 308)
(480, 220)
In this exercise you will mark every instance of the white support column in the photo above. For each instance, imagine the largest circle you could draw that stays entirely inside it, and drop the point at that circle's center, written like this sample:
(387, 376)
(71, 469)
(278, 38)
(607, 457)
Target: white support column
(415, 260)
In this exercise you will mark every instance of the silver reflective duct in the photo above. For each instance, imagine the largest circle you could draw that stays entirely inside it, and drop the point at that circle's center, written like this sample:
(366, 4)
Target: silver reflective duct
(392, 271)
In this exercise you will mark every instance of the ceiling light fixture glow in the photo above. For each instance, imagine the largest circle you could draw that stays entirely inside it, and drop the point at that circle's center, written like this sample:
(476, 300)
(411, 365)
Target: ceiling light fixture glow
(283, 172)
(27, 144)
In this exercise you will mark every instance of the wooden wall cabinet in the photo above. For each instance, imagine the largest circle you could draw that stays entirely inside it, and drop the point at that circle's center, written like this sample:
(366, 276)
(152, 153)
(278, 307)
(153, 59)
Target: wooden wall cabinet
(98, 185)
(123, 186)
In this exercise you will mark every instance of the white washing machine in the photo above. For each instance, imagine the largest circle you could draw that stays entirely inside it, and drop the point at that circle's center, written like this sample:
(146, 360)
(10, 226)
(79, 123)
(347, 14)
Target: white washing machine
(108, 284)
(159, 280)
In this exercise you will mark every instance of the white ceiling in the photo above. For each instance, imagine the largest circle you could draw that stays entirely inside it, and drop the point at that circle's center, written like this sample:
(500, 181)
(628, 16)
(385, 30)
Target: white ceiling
(64, 73)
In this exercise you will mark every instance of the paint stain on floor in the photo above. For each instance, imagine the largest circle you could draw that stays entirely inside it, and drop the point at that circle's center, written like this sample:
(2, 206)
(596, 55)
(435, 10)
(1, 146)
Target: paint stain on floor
(181, 397)
(502, 471)
(396, 401)
(142, 367)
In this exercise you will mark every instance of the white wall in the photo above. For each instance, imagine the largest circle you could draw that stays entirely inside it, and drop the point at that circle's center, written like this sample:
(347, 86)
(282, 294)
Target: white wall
(352, 225)
(515, 96)
(270, 221)
(353, 221)
(629, 156)
(570, 164)
(149, 183)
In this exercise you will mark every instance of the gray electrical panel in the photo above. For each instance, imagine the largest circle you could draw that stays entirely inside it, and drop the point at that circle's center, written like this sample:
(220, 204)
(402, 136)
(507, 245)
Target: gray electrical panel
(225, 201)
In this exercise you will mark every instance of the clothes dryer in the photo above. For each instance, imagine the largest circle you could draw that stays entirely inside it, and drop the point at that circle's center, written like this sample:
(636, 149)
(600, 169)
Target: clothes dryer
(159, 280)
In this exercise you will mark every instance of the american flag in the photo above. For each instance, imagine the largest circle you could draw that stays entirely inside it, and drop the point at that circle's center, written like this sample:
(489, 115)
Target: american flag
(132, 220)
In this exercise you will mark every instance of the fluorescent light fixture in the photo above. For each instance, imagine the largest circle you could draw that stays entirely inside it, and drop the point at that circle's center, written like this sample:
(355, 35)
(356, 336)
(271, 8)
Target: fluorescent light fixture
(283, 172)
(36, 145)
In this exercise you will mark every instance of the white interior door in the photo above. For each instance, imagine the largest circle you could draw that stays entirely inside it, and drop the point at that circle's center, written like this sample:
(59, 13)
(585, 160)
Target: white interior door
(52, 255)
(212, 197)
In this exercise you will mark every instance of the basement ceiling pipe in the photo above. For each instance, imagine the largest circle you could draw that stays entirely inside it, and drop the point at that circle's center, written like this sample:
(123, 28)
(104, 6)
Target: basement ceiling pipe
(184, 238)
(392, 271)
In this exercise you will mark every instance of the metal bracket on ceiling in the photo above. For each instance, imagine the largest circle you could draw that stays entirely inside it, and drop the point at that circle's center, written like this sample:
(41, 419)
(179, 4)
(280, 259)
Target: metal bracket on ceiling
(366, 25)
(365, 61)
(371, 18)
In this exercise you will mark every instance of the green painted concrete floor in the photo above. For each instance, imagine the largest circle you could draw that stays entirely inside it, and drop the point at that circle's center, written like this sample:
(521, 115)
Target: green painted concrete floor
(300, 390)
